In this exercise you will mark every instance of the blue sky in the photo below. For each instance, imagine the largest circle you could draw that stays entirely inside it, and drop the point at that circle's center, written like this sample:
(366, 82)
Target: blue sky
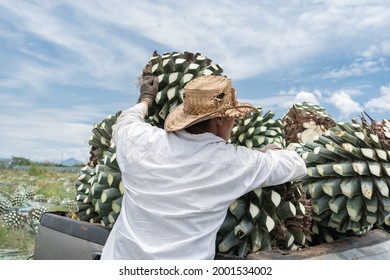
(66, 65)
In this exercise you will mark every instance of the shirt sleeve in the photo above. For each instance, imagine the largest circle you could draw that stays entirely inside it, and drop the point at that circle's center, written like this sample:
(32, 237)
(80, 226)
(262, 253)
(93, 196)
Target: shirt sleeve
(130, 117)
(275, 167)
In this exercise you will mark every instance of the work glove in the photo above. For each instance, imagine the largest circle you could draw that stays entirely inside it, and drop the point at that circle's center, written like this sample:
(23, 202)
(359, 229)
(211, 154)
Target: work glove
(148, 89)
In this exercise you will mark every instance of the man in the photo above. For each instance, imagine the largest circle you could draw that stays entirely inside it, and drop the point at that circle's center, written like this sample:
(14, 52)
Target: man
(180, 181)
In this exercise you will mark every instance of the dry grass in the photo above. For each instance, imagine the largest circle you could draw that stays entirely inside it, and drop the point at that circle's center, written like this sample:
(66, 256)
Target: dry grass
(17, 239)
(46, 182)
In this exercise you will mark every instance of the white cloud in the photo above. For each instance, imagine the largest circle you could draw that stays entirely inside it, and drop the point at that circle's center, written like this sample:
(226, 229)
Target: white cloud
(284, 100)
(377, 51)
(266, 102)
(372, 60)
(345, 104)
(338, 103)
(302, 96)
(382, 103)
(246, 39)
(294, 95)
(70, 49)
(82, 46)
(385, 90)
(44, 133)
(341, 104)
(355, 69)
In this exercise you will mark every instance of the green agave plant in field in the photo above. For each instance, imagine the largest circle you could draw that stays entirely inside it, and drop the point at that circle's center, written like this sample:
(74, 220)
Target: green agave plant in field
(13, 219)
(17, 211)
(5, 205)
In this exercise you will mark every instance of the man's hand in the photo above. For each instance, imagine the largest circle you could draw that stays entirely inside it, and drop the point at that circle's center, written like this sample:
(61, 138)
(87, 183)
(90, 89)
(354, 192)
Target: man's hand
(148, 89)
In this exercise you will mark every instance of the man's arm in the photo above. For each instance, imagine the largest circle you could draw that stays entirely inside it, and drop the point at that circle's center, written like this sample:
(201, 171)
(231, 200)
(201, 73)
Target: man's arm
(137, 113)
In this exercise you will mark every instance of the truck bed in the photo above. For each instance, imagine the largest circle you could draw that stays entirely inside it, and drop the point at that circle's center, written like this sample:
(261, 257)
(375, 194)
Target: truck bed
(60, 237)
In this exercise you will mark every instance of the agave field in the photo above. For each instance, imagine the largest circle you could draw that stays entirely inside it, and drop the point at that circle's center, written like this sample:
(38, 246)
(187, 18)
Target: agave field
(24, 196)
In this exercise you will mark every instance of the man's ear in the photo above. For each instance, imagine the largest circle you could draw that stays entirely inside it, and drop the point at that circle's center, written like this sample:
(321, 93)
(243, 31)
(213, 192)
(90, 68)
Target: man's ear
(219, 121)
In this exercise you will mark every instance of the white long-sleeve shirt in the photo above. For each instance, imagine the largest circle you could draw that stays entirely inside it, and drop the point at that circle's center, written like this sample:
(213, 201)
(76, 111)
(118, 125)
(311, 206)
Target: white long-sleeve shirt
(179, 187)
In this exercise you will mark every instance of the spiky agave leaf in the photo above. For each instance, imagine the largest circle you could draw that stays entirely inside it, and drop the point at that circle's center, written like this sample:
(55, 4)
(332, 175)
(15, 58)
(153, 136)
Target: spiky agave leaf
(305, 120)
(36, 213)
(34, 217)
(55, 200)
(100, 140)
(107, 188)
(14, 220)
(5, 204)
(174, 70)
(100, 190)
(69, 203)
(265, 217)
(83, 189)
(18, 199)
(348, 179)
(258, 129)
(381, 129)
(29, 192)
(39, 198)
(101, 144)
(26, 190)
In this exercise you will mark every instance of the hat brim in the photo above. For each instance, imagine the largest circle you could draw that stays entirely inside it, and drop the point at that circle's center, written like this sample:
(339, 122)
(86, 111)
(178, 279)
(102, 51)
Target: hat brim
(177, 119)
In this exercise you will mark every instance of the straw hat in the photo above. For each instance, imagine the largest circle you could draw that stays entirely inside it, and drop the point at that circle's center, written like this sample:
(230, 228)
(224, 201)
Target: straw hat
(204, 98)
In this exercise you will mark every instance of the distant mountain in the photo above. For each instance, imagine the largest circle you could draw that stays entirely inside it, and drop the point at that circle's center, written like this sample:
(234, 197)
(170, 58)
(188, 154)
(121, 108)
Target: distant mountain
(71, 161)
(26, 162)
